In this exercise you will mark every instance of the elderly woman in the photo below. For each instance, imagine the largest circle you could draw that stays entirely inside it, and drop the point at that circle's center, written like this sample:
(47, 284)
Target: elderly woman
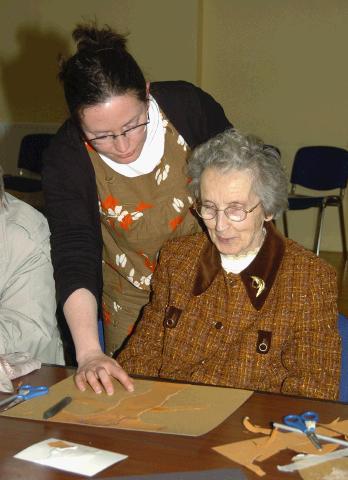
(242, 306)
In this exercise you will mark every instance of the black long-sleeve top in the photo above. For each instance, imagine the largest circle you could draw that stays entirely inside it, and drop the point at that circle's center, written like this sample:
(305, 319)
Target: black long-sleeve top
(70, 186)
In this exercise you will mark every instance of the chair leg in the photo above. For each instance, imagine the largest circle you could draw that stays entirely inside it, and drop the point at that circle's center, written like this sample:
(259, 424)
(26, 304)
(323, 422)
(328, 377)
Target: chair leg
(343, 229)
(285, 224)
(317, 238)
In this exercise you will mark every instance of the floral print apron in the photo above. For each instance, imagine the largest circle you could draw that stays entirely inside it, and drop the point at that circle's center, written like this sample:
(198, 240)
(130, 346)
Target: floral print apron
(137, 216)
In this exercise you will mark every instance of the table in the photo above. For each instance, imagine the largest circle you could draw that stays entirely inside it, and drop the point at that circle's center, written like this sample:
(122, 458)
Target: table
(152, 452)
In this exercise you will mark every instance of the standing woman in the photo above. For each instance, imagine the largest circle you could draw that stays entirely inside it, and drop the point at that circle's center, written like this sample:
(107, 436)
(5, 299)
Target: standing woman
(116, 189)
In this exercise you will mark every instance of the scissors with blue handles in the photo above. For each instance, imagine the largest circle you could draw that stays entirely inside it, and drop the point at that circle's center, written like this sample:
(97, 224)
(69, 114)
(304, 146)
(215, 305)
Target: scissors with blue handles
(25, 392)
(306, 423)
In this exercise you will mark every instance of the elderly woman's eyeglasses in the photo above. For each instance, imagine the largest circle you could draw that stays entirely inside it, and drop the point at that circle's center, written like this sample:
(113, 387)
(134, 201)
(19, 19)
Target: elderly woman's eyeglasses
(233, 212)
(132, 132)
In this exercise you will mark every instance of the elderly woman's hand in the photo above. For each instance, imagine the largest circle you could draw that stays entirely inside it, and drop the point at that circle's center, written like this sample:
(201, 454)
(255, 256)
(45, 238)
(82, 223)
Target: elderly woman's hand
(97, 370)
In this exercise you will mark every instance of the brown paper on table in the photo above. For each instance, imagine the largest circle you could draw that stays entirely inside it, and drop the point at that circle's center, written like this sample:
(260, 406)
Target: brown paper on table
(247, 452)
(154, 406)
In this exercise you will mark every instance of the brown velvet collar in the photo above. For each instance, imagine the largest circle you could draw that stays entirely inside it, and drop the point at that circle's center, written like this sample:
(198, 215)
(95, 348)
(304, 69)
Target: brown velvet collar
(258, 277)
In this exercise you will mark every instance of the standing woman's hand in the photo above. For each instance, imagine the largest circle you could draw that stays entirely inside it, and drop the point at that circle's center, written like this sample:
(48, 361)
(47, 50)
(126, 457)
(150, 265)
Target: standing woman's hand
(98, 370)
(94, 367)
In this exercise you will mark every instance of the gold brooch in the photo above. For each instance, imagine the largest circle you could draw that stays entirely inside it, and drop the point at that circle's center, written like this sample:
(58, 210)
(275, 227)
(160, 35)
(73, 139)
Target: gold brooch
(258, 283)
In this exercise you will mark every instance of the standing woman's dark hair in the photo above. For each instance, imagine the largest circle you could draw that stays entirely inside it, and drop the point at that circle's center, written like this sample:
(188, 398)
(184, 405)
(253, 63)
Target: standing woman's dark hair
(101, 68)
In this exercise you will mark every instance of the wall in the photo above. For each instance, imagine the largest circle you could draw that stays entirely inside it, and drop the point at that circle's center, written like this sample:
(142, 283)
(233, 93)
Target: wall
(35, 32)
(279, 68)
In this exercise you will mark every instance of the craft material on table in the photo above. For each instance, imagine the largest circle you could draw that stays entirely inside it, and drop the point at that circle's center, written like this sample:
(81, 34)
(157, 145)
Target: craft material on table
(306, 423)
(336, 469)
(302, 461)
(155, 406)
(69, 456)
(25, 392)
(272, 441)
(325, 438)
(14, 365)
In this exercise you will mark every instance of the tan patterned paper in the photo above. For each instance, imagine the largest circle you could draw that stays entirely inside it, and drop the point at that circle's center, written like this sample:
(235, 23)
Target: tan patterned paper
(155, 406)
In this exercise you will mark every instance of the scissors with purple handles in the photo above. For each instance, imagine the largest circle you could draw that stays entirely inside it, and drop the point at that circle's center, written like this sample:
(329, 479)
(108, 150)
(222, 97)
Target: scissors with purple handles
(306, 422)
(25, 392)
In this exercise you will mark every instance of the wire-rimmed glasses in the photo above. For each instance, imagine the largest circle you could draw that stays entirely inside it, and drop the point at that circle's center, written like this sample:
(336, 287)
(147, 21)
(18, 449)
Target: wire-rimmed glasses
(234, 212)
(105, 140)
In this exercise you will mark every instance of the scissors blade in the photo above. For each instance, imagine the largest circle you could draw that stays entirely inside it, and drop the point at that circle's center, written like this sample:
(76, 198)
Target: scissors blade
(314, 439)
(15, 402)
(7, 400)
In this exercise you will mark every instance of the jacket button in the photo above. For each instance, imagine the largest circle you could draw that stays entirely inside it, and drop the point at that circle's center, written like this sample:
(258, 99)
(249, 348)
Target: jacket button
(170, 322)
(219, 325)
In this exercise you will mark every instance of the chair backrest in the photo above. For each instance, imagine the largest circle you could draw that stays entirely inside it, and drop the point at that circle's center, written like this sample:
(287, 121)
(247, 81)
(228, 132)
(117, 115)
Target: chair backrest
(320, 168)
(343, 329)
(31, 149)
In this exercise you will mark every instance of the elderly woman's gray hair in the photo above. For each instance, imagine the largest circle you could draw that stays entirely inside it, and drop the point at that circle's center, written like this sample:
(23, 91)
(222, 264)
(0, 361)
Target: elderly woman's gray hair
(231, 150)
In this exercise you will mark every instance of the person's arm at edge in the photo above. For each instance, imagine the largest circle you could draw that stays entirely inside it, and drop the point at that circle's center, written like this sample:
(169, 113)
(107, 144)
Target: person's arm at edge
(28, 306)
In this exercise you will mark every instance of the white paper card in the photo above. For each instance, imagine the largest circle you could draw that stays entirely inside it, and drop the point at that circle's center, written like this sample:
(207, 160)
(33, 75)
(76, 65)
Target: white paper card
(70, 456)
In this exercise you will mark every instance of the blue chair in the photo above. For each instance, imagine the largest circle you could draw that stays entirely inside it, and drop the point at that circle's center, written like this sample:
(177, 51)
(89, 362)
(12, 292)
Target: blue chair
(29, 162)
(319, 168)
(343, 329)
(26, 185)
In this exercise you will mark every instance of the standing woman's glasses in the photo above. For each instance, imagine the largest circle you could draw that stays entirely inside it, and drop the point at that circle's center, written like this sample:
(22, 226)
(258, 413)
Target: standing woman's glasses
(132, 132)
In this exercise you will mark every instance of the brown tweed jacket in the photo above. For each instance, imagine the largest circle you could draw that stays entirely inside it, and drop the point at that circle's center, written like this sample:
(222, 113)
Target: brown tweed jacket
(203, 325)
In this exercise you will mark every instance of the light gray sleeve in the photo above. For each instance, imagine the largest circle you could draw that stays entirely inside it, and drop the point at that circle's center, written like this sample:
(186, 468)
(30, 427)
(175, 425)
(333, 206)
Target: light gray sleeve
(27, 303)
